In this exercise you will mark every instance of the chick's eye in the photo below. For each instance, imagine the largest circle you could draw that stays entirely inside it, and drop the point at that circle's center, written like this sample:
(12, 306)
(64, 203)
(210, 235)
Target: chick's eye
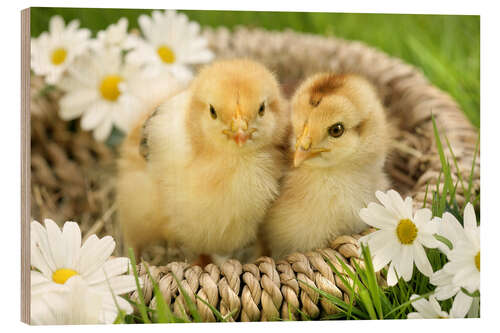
(212, 112)
(262, 109)
(336, 130)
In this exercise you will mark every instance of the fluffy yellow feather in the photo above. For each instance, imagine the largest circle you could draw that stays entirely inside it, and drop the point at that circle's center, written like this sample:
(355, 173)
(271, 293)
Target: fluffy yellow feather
(339, 143)
(212, 162)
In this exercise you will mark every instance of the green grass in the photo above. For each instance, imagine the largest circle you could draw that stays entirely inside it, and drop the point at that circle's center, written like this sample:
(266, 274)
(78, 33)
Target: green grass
(444, 47)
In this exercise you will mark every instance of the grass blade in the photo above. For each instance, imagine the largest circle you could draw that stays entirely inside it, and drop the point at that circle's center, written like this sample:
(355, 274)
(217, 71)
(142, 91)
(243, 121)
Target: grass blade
(471, 176)
(189, 302)
(373, 286)
(448, 183)
(350, 290)
(216, 312)
(367, 302)
(336, 301)
(426, 193)
(163, 312)
(459, 174)
(141, 305)
(407, 303)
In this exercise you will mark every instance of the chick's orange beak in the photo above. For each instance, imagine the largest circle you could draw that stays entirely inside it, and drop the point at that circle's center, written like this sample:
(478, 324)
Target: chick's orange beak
(239, 130)
(303, 150)
(239, 127)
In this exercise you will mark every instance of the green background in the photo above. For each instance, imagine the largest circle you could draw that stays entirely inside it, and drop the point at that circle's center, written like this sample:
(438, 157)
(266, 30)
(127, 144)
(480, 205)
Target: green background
(444, 47)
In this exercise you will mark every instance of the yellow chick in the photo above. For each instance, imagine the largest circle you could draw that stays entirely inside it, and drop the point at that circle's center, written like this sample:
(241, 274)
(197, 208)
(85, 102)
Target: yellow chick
(211, 162)
(340, 141)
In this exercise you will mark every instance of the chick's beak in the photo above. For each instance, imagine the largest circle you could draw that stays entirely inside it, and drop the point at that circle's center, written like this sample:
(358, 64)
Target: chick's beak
(239, 127)
(239, 132)
(303, 150)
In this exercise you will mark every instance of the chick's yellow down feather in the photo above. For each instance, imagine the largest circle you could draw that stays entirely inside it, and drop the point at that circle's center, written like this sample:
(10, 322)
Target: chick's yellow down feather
(212, 162)
(339, 144)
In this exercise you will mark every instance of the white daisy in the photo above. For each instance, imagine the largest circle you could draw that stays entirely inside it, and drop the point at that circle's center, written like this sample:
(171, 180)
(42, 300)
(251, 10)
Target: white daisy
(401, 238)
(75, 305)
(115, 36)
(57, 255)
(97, 90)
(54, 51)
(172, 43)
(463, 268)
(430, 309)
(154, 90)
(464, 259)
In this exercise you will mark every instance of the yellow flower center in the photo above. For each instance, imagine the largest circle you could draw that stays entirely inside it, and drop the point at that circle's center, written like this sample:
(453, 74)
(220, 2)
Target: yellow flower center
(166, 54)
(407, 231)
(477, 261)
(62, 275)
(58, 56)
(109, 87)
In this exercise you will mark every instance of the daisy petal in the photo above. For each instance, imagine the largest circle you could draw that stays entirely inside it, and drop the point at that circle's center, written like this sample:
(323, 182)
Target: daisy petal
(56, 24)
(96, 252)
(110, 311)
(421, 260)
(111, 268)
(433, 303)
(461, 275)
(446, 292)
(440, 277)
(386, 254)
(414, 315)
(119, 284)
(41, 257)
(377, 216)
(422, 217)
(54, 236)
(377, 240)
(404, 266)
(73, 104)
(408, 206)
(41, 285)
(461, 305)
(391, 275)
(93, 116)
(72, 241)
(423, 307)
(103, 131)
(428, 239)
(470, 222)
(450, 228)
(399, 205)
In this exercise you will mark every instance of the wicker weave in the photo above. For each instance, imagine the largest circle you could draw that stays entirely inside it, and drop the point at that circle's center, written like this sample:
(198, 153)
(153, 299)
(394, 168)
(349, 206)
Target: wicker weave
(266, 290)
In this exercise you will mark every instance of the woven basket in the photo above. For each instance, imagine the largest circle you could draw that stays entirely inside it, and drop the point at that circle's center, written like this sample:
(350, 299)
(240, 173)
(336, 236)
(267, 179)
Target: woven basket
(73, 176)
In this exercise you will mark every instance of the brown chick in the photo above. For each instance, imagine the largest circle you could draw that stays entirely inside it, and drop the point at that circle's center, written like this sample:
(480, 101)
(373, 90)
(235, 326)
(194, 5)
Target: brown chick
(213, 162)
(340, 141)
